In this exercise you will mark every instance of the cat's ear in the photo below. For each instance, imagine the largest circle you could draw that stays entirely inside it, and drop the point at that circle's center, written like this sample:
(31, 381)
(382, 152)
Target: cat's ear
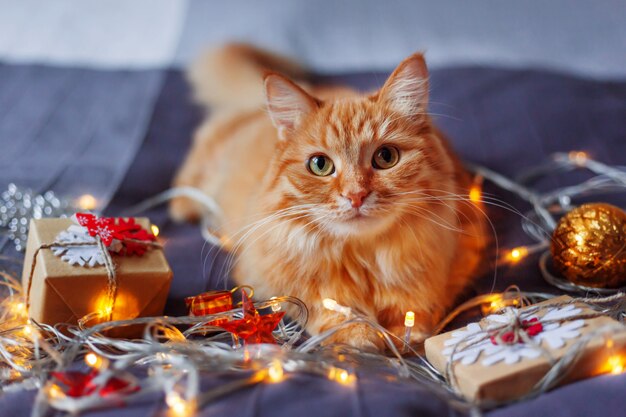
(287, 103)
(406, 89)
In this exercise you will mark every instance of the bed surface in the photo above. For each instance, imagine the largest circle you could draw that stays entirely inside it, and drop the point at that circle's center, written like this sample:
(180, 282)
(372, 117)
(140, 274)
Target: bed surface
(504, 119)
(108, 112)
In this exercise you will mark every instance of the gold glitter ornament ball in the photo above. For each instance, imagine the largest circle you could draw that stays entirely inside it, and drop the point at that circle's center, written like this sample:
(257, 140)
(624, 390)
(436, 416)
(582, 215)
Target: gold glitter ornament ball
(589, 246)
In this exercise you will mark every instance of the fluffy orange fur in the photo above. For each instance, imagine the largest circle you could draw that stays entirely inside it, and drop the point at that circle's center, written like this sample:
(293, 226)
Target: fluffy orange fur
(382, 241)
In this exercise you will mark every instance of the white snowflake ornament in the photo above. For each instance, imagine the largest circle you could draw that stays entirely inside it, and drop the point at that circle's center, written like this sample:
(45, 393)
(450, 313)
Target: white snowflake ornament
(78, 255)
(481, 344)
(470, 335)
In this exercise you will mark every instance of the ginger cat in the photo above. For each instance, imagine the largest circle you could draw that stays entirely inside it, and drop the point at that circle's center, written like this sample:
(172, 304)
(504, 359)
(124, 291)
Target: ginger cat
(327, 193)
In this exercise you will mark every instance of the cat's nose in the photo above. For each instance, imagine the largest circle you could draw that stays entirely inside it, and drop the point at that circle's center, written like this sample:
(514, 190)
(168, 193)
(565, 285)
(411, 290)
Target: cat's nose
(356, 197)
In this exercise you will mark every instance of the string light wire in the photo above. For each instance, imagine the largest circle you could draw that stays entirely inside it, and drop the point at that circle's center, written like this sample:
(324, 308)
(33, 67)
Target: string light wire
(175, 350)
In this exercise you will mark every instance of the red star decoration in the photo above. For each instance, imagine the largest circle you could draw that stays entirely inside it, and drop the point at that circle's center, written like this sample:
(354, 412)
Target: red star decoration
(253, 327)
(79, 384)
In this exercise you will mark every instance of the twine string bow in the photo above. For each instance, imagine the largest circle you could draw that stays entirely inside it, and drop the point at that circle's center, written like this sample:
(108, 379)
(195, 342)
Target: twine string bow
(516, 329)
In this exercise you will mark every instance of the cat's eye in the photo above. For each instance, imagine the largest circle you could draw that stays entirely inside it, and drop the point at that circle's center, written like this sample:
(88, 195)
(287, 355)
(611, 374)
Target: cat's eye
(385, 157)
(321, 165)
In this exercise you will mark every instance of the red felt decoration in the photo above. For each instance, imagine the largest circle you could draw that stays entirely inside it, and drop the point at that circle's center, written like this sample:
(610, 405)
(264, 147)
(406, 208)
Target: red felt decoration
(104, 227)
(128, 229)
(110, 228)
(531, 327)
(79, 384)
(253, 327)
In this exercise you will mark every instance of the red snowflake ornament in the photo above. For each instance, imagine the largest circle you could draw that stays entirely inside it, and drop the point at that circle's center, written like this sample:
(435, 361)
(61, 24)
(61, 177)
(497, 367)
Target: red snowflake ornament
(110, 228)
(79, 384)
(104, 227)
(253, 327)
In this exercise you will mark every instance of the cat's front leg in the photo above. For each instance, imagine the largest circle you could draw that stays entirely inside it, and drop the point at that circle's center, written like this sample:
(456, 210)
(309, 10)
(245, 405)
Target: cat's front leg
(421, 330)
(359, 335)
(417, 335)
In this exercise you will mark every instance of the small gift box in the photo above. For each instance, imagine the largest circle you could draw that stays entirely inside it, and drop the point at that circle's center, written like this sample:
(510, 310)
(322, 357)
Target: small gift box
(87, 264)
(505, 355)
(211, 302)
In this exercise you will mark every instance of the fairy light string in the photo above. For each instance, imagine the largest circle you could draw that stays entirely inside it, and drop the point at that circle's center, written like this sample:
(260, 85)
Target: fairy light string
(176, 350)
(178, 357)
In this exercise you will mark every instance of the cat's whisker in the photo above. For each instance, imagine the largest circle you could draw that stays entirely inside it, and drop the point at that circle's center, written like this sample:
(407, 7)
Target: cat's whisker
(290, 211)
(232, 251)
(419, 212)
(250, 219)
(234, 254)
(280, 215)
(492, 201)
(465, 200)
(272, 228)
(495, 203)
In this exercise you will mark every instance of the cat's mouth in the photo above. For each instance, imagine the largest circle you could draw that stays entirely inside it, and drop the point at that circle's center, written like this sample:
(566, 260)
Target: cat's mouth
(358, 223)
(356, 215)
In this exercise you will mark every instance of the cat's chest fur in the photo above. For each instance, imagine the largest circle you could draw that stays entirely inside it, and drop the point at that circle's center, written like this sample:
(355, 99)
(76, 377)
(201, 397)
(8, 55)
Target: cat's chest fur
(364, 272)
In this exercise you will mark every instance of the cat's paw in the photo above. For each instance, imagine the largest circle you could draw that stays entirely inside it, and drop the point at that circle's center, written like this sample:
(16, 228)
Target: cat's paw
(360, 336)
(184, 209)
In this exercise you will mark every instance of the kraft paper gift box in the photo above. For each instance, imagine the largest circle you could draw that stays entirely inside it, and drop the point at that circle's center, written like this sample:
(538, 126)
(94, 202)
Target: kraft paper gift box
(499, 373)
(63, 293)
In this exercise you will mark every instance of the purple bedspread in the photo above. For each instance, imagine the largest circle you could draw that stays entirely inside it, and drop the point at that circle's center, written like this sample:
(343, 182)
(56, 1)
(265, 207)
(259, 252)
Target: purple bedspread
(504, 119)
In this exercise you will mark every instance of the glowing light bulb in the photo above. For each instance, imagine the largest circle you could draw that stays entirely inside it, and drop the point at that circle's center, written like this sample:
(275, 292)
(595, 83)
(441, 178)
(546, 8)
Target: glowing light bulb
(155, 229)
(578, 157)
(409, 319)
(18, 308)
(615, 364)
(409, 322)
(55, 392)
(28, 328)
(87, 202)
(275, 372)
(341, 376)
(517, 254)
(275, 306)
(475, 194)
(179, 407)
(333, 305)
(329, 303)
(105, 310)
(495, 303)
(94, 360)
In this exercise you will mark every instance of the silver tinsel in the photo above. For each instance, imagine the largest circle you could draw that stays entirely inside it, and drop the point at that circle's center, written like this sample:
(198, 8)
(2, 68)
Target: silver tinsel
(19, 205)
